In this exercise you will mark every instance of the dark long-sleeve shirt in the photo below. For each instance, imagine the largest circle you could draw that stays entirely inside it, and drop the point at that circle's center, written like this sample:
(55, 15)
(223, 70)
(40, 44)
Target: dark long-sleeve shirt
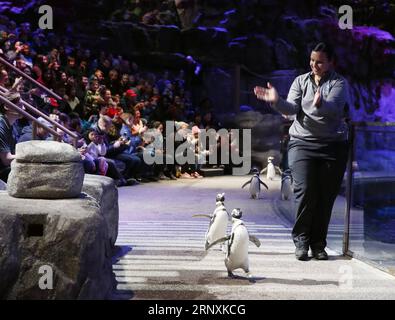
(323, 123)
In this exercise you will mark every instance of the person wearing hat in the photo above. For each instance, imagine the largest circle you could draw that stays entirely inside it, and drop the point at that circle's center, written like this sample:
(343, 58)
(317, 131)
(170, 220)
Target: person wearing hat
(8, 133)
(129, 100)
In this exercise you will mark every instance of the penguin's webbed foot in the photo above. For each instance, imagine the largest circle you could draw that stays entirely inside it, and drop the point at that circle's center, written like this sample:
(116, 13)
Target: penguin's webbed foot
(250, 277)
(231, 275)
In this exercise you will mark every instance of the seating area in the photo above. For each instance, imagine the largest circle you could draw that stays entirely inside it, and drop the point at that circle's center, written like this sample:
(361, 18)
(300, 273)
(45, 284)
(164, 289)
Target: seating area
(108, 102)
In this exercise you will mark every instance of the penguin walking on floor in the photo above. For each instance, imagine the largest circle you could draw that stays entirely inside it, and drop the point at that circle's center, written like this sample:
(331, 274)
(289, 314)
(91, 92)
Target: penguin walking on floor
(218, 221)
(238, 241)
(286, 185)
(271, 169)
(255, 185)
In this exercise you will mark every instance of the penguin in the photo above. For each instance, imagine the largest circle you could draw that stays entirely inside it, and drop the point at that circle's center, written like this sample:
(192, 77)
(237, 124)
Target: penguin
(255, 185)
(218, 221)
(286, 185)
(271, 169)
(238, 241)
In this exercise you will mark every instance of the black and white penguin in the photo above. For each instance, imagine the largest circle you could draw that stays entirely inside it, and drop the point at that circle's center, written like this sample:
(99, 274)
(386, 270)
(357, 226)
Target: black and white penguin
(238, 241)
(271, 169)
(219, 220)
(286, 185)
(255, 185)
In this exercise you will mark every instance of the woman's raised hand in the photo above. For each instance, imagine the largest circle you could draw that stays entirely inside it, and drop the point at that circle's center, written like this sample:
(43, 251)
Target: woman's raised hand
(268, 94)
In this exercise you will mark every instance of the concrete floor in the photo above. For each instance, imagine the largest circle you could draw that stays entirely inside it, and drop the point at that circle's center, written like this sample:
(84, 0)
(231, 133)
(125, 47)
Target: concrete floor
(161, 253)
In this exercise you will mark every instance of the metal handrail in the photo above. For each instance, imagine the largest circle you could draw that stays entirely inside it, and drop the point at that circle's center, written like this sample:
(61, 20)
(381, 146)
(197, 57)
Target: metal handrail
(363, 124)
(349, 181)
(24, 75)
(43, 115)
(27, 115)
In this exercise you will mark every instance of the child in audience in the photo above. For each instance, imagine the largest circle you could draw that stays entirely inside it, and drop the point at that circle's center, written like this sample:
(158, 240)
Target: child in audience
(96, 149)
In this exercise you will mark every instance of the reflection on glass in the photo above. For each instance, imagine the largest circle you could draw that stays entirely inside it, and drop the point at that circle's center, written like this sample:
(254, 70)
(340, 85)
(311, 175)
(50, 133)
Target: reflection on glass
(372, 213)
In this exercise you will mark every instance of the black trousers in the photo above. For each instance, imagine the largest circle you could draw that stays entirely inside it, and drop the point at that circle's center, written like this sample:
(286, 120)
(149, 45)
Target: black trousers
(317, 170)
(4, 173)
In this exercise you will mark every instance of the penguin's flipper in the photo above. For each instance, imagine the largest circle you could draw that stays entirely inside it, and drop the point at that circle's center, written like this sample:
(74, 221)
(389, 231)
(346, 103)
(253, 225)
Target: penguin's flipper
(217, 241)
(201, 216)
(230, 242)
(249, 181)
(255, 241)
(264, 184)
(279, 170)
(263, 170)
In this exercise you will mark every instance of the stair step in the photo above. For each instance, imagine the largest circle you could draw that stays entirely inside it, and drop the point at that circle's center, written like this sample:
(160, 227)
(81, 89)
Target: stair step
(211, 172)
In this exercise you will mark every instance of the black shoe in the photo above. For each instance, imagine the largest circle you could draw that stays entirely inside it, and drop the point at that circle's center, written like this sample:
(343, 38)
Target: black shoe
(320, 254)
(302, 254)
(132, 182)
(172, 176)
(120, 183)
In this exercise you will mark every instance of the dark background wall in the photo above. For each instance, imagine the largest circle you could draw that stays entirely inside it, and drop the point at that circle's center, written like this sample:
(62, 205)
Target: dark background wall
(238, 44)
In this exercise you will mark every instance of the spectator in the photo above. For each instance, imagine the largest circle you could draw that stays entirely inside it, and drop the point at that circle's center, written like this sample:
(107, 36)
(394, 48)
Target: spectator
(92, 99)
(200, 154)
(115, 148)
(97, 150)
(41, 132)
(129, 100)
(8, 136)
(113, 83)
(4, 79)
(73, 101)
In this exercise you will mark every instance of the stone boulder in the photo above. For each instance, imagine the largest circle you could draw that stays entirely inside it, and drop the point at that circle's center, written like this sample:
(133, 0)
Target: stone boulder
(259, 53)
(104, 191)
(38, 151)
(207, 42)
(166, 38)
(67, 237)
(128, 37)
(266, 134)
(45, 181)
(45, 170)
(285, 54)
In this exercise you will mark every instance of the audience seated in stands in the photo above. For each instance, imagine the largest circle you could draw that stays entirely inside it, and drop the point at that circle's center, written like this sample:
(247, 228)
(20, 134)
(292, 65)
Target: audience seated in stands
(104, 97)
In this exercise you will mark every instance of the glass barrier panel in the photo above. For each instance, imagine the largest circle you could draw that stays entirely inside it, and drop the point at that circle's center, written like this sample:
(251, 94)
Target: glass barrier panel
(372, 209)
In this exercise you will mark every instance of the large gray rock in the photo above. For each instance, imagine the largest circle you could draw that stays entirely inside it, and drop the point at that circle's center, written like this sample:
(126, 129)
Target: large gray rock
(128, 36)
(202, 41)
(266, 134)
(259, 53)
(285, 54)
(167, 38)
(45, 181)
(68, 235)
(46, 152)
(104, 191)
(9, 257)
